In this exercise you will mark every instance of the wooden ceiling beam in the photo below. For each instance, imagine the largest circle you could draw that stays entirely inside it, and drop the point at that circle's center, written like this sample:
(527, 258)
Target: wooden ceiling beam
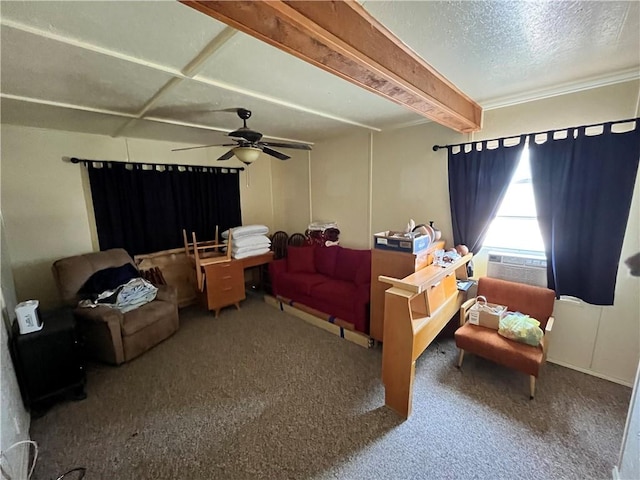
(340, 37)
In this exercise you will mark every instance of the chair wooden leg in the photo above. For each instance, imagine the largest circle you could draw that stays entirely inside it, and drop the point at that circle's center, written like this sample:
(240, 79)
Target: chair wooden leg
(460, 358)
(532, 386)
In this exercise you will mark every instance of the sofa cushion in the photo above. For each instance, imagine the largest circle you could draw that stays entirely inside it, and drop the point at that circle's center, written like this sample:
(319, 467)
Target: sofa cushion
(336, 292)
(487, 343)
(148, 314)
(348, 263)
(325, 260)
(300, 260)
(363, 274)
(300, 283)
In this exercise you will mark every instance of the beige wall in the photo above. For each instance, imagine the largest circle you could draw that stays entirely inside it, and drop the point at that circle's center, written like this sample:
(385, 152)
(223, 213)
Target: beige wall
(366, 182)
(14, 419)
(409, 180)
(600, 340)
(290, 185)
(46, 203)
(340, 186)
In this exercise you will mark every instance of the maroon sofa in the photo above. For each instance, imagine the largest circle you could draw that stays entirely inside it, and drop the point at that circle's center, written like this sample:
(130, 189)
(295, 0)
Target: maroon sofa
(334, 280)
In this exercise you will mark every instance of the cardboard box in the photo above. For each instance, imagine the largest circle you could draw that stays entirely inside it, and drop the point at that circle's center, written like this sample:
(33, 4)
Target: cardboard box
(486, 314)
(386, 241)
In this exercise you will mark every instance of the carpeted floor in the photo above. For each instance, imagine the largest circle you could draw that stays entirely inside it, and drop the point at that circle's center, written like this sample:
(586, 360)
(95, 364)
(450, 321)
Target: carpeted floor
(260, 394)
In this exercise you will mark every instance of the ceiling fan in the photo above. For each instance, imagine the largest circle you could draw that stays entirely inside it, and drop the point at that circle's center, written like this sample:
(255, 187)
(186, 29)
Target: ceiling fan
(248, 143)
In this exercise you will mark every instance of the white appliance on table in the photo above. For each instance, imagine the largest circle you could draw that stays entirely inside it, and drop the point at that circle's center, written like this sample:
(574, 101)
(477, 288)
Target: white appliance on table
(28, 316)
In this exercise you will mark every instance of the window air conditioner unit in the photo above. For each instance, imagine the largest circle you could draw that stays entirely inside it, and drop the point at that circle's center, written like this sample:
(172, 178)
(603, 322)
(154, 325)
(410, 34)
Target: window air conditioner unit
(529, 269)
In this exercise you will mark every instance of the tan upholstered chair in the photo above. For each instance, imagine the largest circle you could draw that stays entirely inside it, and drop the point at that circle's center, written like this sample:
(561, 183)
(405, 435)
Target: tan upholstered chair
(110, 335)
(536, 302)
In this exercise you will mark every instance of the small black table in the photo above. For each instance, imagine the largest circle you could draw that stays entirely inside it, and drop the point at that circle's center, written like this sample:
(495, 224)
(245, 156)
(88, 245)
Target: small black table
(49, 362)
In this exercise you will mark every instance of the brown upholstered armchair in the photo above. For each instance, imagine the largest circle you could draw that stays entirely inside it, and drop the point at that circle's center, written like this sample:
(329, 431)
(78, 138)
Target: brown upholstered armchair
(537, 302)
(110, 335)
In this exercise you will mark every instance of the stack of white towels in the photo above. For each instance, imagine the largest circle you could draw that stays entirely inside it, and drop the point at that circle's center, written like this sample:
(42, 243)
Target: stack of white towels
(248, 241)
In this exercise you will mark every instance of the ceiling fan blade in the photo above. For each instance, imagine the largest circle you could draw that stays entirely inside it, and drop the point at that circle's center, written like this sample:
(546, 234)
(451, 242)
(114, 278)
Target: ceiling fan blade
(295, 146)
(227, 155)
(247, 134)
(227, 110)
(273, 153)
(204, 146)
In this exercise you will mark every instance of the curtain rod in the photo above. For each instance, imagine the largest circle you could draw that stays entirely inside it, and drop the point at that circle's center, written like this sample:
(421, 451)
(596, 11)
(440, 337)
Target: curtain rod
(438, 147)
(84, 161)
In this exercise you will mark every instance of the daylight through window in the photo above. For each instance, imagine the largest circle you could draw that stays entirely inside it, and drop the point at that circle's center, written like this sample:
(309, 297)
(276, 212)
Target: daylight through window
(516, 225)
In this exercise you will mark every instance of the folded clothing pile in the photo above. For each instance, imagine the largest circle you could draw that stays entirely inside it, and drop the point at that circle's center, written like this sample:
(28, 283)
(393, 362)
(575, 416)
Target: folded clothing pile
(133, 294)
(118, 287)
(248, 241)
(324, 234)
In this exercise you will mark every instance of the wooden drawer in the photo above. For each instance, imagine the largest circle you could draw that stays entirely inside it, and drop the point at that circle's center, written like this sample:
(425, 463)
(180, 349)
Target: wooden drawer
(228, 295)
(221, 275)
(450, 285)
(225, 284)
(435, 297)
(424, 259)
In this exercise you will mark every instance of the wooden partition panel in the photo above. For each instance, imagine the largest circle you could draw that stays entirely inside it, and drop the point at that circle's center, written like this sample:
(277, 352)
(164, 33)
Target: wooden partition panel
(392, 264)
(416, 309)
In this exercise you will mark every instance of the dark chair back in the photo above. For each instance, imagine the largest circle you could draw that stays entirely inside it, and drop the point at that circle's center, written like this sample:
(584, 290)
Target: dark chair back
(279, 244)
(297, 240)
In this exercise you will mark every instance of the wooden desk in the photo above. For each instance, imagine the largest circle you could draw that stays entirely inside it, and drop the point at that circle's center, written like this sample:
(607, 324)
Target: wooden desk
(248, 262)
(224, 280)
(179, 270)
(416, 309)
(256, 260)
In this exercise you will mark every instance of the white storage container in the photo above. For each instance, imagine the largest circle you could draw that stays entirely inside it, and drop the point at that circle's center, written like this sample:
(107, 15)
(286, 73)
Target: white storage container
(28, 318)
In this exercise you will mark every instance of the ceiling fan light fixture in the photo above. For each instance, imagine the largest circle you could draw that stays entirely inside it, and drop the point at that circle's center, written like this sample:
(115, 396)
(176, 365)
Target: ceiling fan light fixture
(248, 144)
(247, 155)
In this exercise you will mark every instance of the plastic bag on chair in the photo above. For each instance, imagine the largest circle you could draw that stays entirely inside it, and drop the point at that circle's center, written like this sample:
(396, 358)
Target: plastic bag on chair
(521, 328)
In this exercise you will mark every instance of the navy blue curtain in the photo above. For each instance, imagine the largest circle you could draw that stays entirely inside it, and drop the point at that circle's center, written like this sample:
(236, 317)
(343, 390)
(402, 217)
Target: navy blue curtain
(144, 210)
(583, 186)
(478, 180)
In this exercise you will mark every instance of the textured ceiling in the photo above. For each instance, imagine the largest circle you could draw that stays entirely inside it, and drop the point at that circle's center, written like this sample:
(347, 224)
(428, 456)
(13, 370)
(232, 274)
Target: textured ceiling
(501, 52)
(160, 69)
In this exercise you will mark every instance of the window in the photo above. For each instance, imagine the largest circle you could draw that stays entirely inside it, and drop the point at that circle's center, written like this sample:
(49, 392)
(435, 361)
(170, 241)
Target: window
(516, 225)
(144, 210)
